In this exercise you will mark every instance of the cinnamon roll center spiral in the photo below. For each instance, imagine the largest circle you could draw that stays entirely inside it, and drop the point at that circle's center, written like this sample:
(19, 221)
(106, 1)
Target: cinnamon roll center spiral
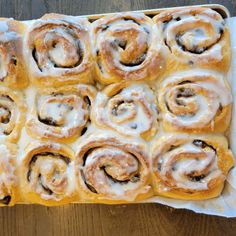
(130, 43)
(8, 114)
(61, 110)
(130, 110)
(48, 173)
(121, 110)
(188, 100)
(195, 39)
(110, 171)
(190, 166)
(58, 47)
(195, 32)
(193, 99)
(124, 42)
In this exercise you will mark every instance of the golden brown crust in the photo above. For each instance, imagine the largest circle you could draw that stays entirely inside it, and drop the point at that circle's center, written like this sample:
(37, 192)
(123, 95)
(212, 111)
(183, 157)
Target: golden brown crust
(194, 37)
(9, 192)
(12, 65)
(61, 114)
(112, 171)
(127, 49)
(46, 174)
(13, 112)
(190, 167)
(58, 51)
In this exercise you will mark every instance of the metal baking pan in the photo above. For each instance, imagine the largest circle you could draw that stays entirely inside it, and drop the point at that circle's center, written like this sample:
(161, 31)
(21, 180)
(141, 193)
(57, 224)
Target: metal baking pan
(222, 10)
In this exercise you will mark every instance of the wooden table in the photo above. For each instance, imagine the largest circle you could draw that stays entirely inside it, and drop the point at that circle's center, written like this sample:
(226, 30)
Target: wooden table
(135, 219)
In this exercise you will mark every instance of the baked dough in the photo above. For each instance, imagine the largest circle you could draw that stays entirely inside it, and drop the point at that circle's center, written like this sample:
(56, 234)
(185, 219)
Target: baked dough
(61, 114)
(127, 48)
(190, 167)
(195, 101)
(58, 51)
(128, 108)
(111, 169)
(114, 110)
(12, 65)
(194, 37)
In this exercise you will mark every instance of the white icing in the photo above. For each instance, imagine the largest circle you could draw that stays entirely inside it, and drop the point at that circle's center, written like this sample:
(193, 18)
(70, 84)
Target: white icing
(196, 38)
(185, 167)
(7, 171)
(143, 44)
(121, 165)
(63, 57)
(54, 176)
(216, 93)
(67, 115)
(132, 118)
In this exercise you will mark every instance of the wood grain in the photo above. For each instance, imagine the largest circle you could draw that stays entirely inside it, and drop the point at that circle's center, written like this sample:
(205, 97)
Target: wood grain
(133, 219)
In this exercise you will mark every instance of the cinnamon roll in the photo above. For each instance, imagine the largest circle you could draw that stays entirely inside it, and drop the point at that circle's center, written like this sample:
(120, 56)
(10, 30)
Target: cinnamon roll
(58, 51)
(8, 180)
(190, 167)
(195, 101)
(47, 175)
(194, 37)
(129, 109)
(126, 47)
(12, 114)
(110, 170)
(61, 114)
(12, 64)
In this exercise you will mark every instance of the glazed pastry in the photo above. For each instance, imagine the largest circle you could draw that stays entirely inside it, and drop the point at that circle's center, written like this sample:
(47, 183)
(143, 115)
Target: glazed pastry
(128, 108)
(126, 47)
(58, 51)
(110, 169)
(46, 174)
(194, 37)
(190, 167)
(12, 65)
(61, 114)
(12, 114)
(114, 110)
(195, 101)
(8, 180)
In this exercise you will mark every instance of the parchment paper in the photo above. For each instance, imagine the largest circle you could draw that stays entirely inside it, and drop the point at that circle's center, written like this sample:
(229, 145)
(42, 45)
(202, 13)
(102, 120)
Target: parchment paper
(225, 205)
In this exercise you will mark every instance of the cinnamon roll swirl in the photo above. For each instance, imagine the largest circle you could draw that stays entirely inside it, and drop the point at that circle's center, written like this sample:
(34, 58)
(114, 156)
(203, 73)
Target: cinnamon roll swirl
(111, 170)
(127, 48)
(194, 37)
(58, 51)
(12, 114)
(129, 109)
(12, 64)
(190, 167)
(195, 101)
(61, 114)
(47, 174)
(8, 180)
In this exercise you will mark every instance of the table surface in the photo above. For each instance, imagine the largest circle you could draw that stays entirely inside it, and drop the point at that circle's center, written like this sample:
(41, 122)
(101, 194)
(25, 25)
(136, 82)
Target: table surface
(133, 219)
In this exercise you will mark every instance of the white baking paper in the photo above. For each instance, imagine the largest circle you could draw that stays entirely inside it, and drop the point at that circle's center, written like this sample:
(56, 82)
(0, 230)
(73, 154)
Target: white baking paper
(225, 205)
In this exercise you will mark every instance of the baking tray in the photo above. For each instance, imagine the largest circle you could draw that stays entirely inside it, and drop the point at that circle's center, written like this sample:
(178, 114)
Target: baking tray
(222, 10)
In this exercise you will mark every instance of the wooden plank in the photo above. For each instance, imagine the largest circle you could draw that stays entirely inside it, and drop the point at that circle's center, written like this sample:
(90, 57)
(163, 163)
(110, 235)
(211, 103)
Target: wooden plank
(134, 219)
